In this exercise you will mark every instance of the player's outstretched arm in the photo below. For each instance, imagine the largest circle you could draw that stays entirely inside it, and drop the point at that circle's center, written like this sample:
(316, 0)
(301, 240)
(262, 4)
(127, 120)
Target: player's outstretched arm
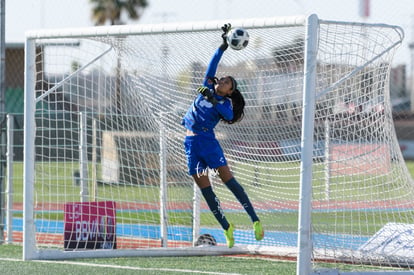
(212, 66)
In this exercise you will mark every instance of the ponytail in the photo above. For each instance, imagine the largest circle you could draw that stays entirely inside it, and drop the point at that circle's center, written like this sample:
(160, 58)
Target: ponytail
(238, 106)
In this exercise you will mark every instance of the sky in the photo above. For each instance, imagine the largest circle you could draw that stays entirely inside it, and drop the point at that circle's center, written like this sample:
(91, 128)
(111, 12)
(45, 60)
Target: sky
(47, 14)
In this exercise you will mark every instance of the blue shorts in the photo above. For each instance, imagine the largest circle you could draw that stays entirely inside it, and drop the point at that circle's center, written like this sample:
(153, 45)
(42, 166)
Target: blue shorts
(203, 153)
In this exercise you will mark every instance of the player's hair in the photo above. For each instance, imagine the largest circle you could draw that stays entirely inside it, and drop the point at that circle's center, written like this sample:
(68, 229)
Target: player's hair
(238, 106)
(236, 98)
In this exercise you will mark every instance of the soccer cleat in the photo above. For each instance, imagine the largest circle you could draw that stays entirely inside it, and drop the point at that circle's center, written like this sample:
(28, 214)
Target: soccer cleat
(258, 230)
(229, 236)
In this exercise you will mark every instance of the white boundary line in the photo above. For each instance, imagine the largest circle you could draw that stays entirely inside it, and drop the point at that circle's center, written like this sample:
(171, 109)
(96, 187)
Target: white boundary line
(125, 267)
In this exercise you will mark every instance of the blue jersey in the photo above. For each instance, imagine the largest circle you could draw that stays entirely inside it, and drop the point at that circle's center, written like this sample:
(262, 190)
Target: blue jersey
(202, 116)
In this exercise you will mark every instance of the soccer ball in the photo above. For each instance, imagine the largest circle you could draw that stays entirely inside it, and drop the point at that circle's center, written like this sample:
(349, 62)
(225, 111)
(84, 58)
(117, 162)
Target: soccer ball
(238, 39)
(205, 240)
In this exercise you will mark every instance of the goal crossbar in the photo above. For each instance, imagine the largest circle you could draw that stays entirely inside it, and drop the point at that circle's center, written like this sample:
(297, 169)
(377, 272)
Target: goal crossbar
(143, 29)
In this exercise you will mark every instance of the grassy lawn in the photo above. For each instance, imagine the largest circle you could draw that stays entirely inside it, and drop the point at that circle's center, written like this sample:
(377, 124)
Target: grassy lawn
(55, 184)
(62, 183)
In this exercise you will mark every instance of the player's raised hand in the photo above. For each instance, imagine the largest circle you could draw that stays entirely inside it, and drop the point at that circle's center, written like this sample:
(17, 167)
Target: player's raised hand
(225, 28)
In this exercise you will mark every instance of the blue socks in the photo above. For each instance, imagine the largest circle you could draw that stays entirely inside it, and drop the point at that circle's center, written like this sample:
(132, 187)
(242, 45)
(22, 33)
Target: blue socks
(214, 205)
(239, 193)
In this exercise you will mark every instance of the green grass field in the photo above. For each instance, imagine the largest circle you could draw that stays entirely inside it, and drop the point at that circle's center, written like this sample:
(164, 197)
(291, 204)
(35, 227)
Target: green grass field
(11, 262)
(61, 179)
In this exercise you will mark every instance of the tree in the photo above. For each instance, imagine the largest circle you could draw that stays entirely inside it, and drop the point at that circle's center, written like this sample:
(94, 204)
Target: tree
(104, 10)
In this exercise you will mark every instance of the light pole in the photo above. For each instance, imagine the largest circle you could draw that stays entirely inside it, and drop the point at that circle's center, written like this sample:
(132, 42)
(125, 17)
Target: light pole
(2, 116)
(411, 47)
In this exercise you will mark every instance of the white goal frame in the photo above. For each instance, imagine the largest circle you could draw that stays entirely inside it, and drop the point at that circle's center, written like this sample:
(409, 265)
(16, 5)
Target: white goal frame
(304, 248)
(30, 252)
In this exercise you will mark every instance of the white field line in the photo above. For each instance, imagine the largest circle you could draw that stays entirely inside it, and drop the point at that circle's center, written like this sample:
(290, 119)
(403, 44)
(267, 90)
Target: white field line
(125, 267)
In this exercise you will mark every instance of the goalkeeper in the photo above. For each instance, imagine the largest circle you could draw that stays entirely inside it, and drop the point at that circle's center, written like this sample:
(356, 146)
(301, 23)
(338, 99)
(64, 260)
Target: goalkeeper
(218, 99)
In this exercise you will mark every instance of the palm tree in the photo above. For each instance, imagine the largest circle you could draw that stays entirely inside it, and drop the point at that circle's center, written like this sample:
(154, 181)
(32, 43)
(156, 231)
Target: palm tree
(111, 10)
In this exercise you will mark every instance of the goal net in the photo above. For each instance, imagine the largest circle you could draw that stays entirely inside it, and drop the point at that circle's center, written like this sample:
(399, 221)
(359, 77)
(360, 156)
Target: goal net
(105, 170)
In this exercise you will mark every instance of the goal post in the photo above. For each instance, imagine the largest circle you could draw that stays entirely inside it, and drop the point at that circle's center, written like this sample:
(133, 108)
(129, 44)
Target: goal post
(316, 151)
(308, 109)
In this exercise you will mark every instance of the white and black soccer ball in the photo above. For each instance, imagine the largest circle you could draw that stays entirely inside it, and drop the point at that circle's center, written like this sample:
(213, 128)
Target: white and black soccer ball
(205, 240)
(238, 38)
